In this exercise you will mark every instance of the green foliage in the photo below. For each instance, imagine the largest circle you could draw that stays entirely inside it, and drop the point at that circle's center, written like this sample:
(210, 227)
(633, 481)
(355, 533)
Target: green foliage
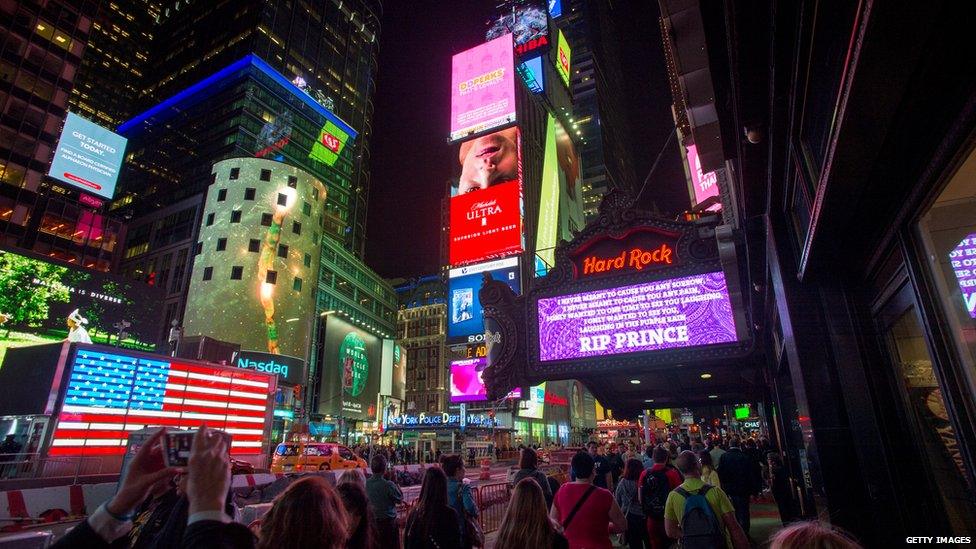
(27, 287)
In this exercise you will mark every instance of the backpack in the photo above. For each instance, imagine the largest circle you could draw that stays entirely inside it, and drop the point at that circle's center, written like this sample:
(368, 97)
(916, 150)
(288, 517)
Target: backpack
(700, 528)
(654, 492)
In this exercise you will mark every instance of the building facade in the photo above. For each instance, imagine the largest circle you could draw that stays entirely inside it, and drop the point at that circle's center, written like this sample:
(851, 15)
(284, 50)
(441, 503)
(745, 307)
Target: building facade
(422, 332)
(855, 184)
(42, 48)
(258, 257)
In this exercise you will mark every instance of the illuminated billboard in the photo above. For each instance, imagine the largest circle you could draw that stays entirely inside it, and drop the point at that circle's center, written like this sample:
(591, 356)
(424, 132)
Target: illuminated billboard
(289, 369)
(88, 156)
(666, 314)
(560, 207)
(486, 224)
(467, 384)
(329, 144)
(563, 58)
(555, 8)
(464, 317)
(528, 24)
(963, 261)
(705, 185)
(483, 88)
(44, 302)
(110, 394)
(531, 72)
(350, 370)
(535, 403)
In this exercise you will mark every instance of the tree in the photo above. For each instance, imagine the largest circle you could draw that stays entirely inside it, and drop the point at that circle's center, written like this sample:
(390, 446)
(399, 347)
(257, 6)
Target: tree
(27, 287)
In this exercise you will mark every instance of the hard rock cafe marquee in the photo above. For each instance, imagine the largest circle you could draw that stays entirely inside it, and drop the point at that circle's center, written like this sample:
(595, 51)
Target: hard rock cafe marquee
(631, 292)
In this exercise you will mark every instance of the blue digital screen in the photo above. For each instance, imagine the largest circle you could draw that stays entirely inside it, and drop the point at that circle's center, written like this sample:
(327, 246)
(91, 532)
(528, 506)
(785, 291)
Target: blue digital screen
(464, 308)
(88, 156)
(555, 8)
(531, 72)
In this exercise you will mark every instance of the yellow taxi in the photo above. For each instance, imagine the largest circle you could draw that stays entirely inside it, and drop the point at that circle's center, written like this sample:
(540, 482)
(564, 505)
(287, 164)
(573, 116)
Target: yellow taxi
(314, 456)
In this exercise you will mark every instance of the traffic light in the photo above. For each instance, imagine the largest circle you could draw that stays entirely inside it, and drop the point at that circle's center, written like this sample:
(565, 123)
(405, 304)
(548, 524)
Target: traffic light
(297, 392)
(491, 414)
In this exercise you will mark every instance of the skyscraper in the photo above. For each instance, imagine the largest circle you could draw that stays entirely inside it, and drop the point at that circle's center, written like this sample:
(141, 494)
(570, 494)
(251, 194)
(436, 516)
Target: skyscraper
(41, 50)
(600, 119)
(327, 48)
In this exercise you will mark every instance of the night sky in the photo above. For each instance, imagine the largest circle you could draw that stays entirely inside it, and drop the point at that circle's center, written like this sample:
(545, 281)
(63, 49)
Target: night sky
(411, 160)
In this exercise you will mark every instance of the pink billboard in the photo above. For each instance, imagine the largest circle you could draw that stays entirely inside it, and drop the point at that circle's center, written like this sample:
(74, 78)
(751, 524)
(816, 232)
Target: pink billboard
(483, 88)
(467, 384)
(705, 184)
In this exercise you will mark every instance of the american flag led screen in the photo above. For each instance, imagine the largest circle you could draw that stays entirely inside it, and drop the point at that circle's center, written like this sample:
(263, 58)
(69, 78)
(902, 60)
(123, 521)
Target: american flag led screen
(110, 394)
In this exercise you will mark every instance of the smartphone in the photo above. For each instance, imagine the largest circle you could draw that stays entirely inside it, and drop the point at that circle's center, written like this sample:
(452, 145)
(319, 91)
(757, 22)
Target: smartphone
(177, 446)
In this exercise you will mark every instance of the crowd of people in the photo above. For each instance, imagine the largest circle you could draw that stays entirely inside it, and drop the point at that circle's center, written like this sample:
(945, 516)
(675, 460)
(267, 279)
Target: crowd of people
(651, 500)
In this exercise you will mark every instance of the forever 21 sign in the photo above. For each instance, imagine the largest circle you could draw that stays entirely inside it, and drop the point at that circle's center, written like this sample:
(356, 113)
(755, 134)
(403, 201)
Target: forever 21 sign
(637, 251)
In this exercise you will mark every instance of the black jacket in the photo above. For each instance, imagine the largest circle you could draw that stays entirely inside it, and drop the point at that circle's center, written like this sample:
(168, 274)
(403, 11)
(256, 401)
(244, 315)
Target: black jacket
(205, 534)
(444, 530)
(739, 473)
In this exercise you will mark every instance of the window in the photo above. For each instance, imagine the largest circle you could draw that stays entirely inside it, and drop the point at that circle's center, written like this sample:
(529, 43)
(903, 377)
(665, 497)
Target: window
(254, 245)
(198, 248)
(265, 175)
(315, 194)
(296, 227)
(221, 195)
(282, 199)
(235, 216)
(271, 278)
(221, 244)
(292, 181)
(283, 251)
(306, 208)
(297, 285)
(207, 273)
(235, 173)
(236, 272)
(308, 260)
(210, 219)
(249, 193)
(266, 219)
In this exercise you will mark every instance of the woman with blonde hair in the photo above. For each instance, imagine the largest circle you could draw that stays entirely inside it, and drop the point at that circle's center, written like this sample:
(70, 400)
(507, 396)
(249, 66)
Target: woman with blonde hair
(812, 535)
(527, 523)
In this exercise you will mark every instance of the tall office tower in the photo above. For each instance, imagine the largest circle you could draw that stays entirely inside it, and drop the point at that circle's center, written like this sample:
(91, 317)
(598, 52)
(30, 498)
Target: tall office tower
(327, 48)
(422, 330)
(41, 49)
(600, 120)
(112, 70)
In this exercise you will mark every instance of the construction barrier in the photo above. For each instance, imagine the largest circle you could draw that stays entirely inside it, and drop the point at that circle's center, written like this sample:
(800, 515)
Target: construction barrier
(492, 501)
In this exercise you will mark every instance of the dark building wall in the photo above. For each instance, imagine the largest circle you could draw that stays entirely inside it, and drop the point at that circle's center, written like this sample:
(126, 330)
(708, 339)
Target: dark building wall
(42, 47)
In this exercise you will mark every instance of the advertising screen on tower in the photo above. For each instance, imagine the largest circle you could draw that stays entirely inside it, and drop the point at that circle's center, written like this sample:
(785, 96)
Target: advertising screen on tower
(535, 403)
(44, 302)
(705, 185)
(467, 384)
(351, 363)
(486, 224)
(464, 316)
(528, 24)
(110, 394)
(563, 58)
(666, 314)
(483, 88)
(88, 156)
(329, 144)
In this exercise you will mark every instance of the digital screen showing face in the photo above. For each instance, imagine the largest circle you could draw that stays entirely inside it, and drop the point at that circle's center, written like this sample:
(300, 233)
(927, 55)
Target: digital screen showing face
(467, 384)
(667, 314)
(488, 160)
(483, 87)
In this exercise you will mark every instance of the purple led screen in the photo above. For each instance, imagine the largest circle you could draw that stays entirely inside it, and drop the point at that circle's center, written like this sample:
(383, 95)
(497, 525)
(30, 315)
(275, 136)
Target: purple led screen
(963, 260)
(667, 314)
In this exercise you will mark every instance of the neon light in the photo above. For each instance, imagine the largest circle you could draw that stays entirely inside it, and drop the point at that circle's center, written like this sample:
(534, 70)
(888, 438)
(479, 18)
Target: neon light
(635, 258)
(167, 108)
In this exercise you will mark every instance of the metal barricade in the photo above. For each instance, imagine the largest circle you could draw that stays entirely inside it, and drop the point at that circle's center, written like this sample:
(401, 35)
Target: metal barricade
(492, 501)
(32, 466)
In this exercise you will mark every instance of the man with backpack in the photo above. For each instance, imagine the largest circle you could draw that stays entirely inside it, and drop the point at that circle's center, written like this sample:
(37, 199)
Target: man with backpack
(655, 485)
(699, 515)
